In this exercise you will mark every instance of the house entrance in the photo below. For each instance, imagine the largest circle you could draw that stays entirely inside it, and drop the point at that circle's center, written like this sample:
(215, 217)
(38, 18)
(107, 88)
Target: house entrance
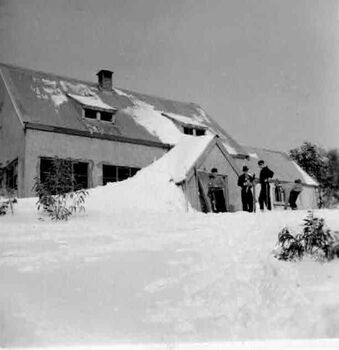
(215, 200)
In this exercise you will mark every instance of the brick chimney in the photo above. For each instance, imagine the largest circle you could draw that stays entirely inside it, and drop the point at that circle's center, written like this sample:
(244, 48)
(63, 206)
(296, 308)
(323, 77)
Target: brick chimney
(105, 79)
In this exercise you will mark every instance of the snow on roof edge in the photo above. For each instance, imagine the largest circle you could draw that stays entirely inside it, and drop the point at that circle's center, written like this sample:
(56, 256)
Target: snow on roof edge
(181, 158)
(307, 179)
(91, 101)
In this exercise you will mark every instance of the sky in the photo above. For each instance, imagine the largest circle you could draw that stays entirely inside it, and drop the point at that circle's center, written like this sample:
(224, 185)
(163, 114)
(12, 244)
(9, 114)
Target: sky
(266, 70)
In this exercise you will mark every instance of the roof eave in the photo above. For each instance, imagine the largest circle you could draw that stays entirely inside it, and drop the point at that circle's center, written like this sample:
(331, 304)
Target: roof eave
(85, 133)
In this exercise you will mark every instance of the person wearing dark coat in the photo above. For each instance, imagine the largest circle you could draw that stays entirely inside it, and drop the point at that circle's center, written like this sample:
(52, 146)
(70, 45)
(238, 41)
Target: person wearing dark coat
(265, 174)
(216, 186)
(245, 181)
(294, 194)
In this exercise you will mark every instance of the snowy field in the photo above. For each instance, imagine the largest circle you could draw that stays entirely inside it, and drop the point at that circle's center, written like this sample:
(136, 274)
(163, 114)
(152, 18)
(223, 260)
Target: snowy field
(137, 268)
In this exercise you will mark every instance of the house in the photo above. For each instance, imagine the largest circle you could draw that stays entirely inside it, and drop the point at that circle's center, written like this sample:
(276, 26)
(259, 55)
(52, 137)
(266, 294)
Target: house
(107, 134)
(190, 161)
(286, 171)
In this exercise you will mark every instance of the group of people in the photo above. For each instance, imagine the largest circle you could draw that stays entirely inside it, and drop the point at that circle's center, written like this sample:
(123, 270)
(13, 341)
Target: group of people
(247, 182)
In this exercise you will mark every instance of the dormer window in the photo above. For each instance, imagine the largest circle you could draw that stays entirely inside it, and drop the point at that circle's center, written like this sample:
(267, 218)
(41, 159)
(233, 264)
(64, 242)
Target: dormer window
(98, 115)
(188, 125)
(106, 116)
(94, 108)
(188, 130)
(194, 131)
(200, 132)
(90, 113)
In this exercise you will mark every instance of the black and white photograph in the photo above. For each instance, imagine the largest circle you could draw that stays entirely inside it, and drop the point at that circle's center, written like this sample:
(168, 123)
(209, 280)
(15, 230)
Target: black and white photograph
(169, 174)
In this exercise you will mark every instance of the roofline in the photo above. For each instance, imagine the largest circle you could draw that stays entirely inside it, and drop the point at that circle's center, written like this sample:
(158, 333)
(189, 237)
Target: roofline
(265, 149)
(48, 73)
(190, 172)
(191, 125)
(84, 105)
(11, 97)
(289, 159)
(83, 133)
(92, 83)
(214, 141)
(228, 156)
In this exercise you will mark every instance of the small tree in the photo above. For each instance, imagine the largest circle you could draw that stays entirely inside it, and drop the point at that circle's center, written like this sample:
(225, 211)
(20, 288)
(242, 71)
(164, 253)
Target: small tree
(333, 176)
(314, 160)
(315, 240)
(59, 194)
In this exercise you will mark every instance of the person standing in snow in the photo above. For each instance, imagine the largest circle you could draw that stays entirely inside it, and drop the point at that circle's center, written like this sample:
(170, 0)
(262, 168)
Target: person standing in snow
(294, 194)
(265, 174)
(215, 192)
(245, 181)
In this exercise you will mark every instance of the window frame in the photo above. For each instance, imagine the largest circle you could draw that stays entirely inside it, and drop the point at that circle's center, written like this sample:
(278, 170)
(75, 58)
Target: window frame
(10, 174)
(194, 131)
(99, 114)
(190, 129)
(90, 110)
(117, 176)
(73, 162)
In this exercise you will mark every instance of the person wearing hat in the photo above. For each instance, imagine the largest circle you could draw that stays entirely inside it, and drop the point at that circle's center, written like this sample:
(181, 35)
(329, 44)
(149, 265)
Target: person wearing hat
(265, 174)
(245, 181)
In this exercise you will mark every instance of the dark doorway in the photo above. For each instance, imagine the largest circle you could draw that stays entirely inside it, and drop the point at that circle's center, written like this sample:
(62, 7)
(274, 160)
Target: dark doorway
(212, 201)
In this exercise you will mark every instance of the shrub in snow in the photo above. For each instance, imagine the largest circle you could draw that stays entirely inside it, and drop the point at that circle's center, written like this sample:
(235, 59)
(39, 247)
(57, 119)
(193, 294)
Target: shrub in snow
(315, 241)
(58, 194)
(7, 199)
(3, 208)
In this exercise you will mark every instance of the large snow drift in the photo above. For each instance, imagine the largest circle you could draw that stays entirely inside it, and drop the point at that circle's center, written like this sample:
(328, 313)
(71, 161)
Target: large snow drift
(159, 277)
(136, 267)
(153, 188)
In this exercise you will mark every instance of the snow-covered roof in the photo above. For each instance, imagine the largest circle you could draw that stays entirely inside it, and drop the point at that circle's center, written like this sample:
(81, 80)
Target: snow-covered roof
(46, 99)
(184, 120)
(153, 121)
(92, 102)
(182, 157)
(229, 148)
(283, 167)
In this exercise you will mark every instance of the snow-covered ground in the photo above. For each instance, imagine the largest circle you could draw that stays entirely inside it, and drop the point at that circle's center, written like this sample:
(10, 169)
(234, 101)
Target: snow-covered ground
(137, 268)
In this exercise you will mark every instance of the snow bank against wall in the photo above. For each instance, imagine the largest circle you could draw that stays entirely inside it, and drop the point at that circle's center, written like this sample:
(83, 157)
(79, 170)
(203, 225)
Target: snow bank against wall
(153, 188)
(149, 190)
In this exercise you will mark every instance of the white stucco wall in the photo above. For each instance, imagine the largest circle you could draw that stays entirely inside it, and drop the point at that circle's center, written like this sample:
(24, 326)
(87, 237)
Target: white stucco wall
(95, 151)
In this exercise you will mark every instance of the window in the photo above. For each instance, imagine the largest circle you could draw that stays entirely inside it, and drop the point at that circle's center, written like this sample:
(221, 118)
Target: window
(2, 177)
(134, 171)
(98, 115)
(45, 168)
(279, 194)
(200, 132)
(79, 171)
(106, 116)
(90, 113)
(188, 130)
(194, 131)
(123, 173)
(109, 174)
(11, 175)
(112, 173)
